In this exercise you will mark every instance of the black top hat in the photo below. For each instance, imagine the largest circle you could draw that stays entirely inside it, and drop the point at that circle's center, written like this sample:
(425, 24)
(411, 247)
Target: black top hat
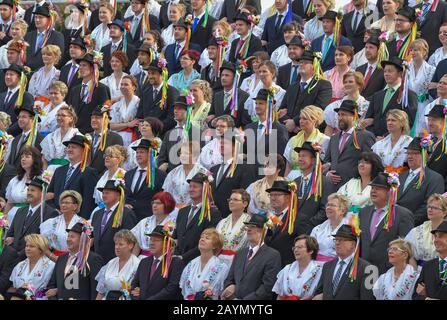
(8, 3)
(111, 185)
(374, 40)
(243, 16)
(78, 41)
(213, 42)
(14, 67)
(296, 41)
(257, 220)
(99, 110)
(262, 95)
(381, 180)
(88, 57)
(76, 139)
(226, 65)
(307, 146)
(415, 144)
(117, 22)
(43, 10)
(157, 232)
(78, 227)
(332, 15)
(347, 105)
(408, 12)
(345, 231)
(441, 228)
(144, 143)
(154, 66)
(436, 112)
(36, 181)
(395, 61)
(27, 108)
(280, 186)
(181, 23)
(307, 56)
(199, 177)
(81, 6)
(181, 102)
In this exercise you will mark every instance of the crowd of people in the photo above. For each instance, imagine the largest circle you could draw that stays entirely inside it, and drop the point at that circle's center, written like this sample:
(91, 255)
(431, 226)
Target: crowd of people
(218, 149)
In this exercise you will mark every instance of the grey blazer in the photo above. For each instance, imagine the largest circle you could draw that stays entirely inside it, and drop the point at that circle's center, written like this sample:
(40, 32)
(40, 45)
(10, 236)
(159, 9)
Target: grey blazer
(256, 283)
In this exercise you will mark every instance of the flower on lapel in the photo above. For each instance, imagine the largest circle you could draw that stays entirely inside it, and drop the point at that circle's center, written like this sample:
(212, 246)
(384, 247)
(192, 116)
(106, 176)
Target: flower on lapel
(46, 176)
(318, 55)
(253, 19)
(242, 66)
(393, 179)
(418, 12)
(127, 26)
(273, 220)
(162, 63)
(384, 36)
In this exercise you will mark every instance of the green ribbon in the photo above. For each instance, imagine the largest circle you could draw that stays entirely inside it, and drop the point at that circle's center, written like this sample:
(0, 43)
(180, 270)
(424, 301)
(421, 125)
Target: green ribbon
(61, 162)
(422, 97)
(21, 204)
(354, 209)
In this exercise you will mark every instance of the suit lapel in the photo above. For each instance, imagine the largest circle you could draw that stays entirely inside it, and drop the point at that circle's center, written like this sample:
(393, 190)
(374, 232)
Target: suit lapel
(73, 175)
(109, 222)
(224, 176)
(252, 262)
(344, 277)
(35, 218)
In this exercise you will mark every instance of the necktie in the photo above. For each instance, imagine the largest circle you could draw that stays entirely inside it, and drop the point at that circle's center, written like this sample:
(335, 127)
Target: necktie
(399, 45)
(374, 222)
(38, 40)
(386, 100)
(305, 182)
(154, 96)
(260, 132)
(294, 77)
(425, 10)
(247, 261)
(4, 27)
(68, 176)
(153, 268)
(83, 92)
(368, 75)
(278, 23)
(180, 134)
(220, 173)
(22, 141)
(195, 23)
(354, 21)
(95, 142)
(409, 179)
(114, 47)
(302, 86)
(239, 47)
(135, 23)
(227, 96)
(73, 70)
(104, 220)
(327, 43)
(138, 183)
(211, 73)
(337, 277)
(28, 219)
(443, 268)
(344, 138)
(177, 51)
(8, 95)
(70, 262)
(191, 214)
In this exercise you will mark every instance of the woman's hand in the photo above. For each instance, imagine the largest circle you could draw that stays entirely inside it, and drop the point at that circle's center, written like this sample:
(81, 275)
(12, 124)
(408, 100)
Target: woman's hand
(366, 123)
(420, 289)
(282, 113)
(334, 177)
(432, 85)
(51, 293)
(290, 125)
(228, 292)
(134, 123)
(136, 292)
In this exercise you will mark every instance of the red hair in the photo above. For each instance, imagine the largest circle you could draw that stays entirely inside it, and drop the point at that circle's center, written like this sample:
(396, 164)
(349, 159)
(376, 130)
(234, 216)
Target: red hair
(167, 199)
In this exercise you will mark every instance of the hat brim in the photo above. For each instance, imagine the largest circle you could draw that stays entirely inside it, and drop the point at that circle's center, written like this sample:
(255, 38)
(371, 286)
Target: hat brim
(384, 63)
(277, 189)
(378, 185)
(41, 14)
(77, 44)
(66, 143)
(345, 236)
(78, 61)
(298, 149)
(438, 230)
(100, 189)
(155, 69)
(138, 147)
(181, 104)
(253, 224)
(72, 230)
(154, 234)
(114, 24)
(34, 184)
(344, 109)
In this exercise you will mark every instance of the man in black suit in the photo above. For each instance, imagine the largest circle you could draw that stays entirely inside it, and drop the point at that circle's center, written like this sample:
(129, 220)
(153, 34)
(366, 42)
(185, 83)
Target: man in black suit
(36, 38)
(150, 103)
(353, 24)
(6, 11)
(303, 9)
(406, 16)
(82, 101)
(188, 230)
(28, 219)
(372, 73)
(112, 138)
(148, 282)
(375, 237)
(222, 100)
(288, 73)
(231, 8)
(116, 30)
(209, 73)
(9, 98)
(135, 34)
(200, 33)
(106, 222)
(8, 260)
(138, 194)
(306, 91)
(70, 177)
(437, 160)
(388, 99)
(30, 16)
(25, 121)
(254, 268)
(69, 72)
(224, 182)
(343, 154)
(144, 60)
(65, 274)
(7, 172)
(432, 281)
(335, 282)
(412, 195)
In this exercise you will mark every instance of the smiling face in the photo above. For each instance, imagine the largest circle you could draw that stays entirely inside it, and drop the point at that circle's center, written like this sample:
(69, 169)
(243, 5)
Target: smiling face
(379, 196)
(300, 250)
(414, 159)
(12, 78)
(350, 86)
(440, 242)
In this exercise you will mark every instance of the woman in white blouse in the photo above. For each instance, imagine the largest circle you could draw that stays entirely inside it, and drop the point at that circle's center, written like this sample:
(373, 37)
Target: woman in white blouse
(176, 182)
(176, 12)
(314, 27)
(57, 93)
(118, 62)
(391, 149)
(100, 34)
(440, 53)
(41, 80)
(387, 22)
(115, 277)
(299, 280)
(31, 276)
(398, 282)
(17, 31)
(163, 212)
(203, 278)
(124, 111)
(55, 229)
(336, 209)
(280, 56)
(53, 150)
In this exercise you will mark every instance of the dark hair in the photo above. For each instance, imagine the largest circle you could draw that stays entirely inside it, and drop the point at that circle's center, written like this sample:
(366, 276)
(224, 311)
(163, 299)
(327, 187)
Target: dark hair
(251, 9)
(292, 26)
(374, 160)
(132, 79)
(347, 50)
(311, 244)
(167, 199)
(36, 169)
(156, 125)
(158, 39)
(245, 196)
(280, 162)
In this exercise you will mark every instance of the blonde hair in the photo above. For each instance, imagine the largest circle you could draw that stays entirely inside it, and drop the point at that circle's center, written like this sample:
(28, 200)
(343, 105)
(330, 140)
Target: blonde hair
(403, 245)
(206, 89)
(180, 7)
(108, 6)
(358, 78)
(313, 113)
(61, 86)
(402, 117)
(343, 201)
(226, 28)
(21, 24)
(53, 50)
(216, 238)
(329, 4)
(39, 241)
(422, 45)
(76, 196)
(117, 151)
(125, 235)
(72, 113)
(5, 119)
(442, 202)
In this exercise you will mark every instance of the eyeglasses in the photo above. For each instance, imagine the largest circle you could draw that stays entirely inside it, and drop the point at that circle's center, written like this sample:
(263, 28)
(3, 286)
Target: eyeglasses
(109, 156)
(394, 249)
(330, 205)
(232, 199)
(156, 202)
(434, 208)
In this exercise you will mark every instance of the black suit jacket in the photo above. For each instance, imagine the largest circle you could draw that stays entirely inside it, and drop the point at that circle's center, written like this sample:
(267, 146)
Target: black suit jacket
(273, 36)
(283, 77)
(136, 41)
(103, 242)
(295, 100)
(201, 35)
(356, 36)
(218, 109)
(376, 106)
(14, 156)
(188, 235)
(7, 36)
(438, 162)
(376, 81)
(375, 250)
(431, 23)
(254, 45)
(173, 61)
(34, 59)
(9, 108)
(84, 110)
(441, 69)
(157, 287)
(65, 72)
(433, 283)
(97, 161)
(141, 200)
(299, 9)
(86, 288)
(346, 289)
(107, 52)
(6, 174)
(215, 83)
(68, 35)
(8, 260)
(149, 107)
(231, 8)
(82, 182)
